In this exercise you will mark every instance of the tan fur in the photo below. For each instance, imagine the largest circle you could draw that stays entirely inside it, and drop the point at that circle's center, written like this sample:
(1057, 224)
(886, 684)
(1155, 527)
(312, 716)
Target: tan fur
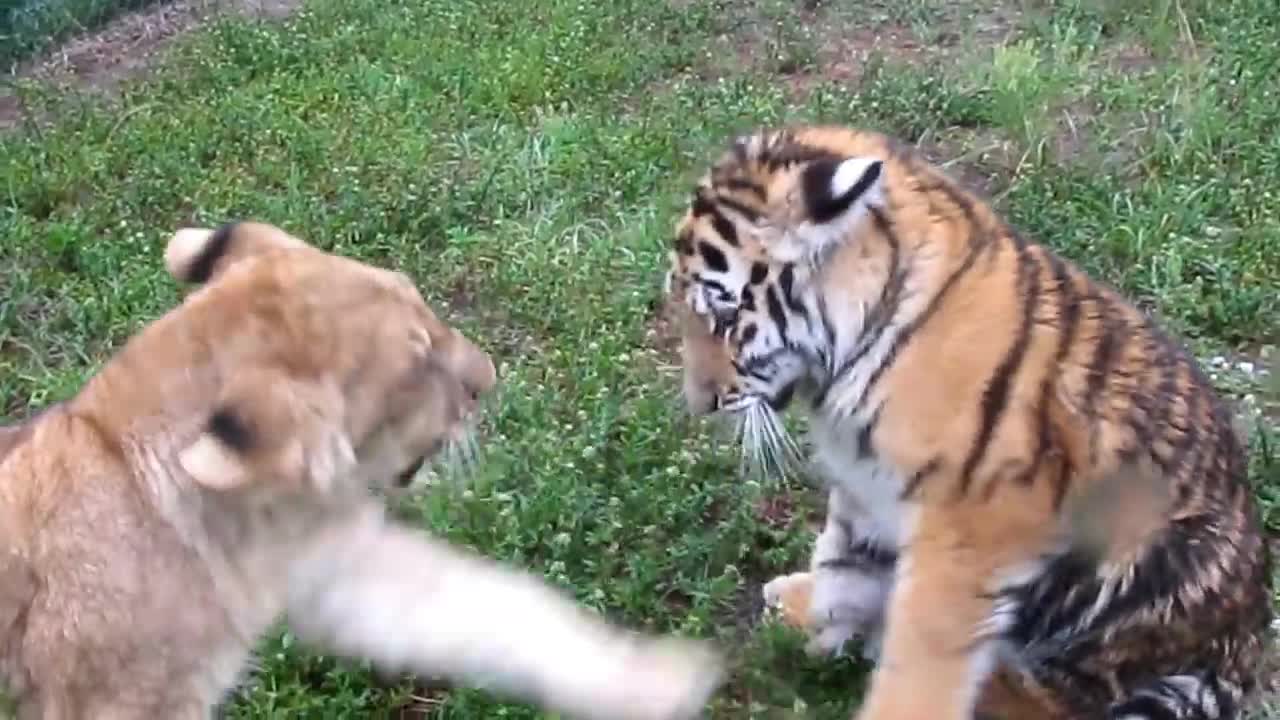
(1033, 416)
(222, 469)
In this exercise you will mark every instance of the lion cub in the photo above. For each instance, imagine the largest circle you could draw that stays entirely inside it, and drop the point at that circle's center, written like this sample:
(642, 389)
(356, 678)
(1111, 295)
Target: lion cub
(221, 471)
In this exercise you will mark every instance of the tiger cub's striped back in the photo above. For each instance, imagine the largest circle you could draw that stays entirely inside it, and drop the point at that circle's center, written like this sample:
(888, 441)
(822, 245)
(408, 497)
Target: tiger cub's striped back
(977, 402)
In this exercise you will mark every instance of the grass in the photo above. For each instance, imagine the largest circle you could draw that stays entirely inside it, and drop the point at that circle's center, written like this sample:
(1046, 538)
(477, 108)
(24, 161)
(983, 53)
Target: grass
(524, 161)
(28, 27)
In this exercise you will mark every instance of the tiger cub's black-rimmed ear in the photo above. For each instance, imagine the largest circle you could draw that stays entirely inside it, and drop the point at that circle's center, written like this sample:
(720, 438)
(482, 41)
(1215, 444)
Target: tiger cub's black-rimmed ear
(196, 255)
(833, 187)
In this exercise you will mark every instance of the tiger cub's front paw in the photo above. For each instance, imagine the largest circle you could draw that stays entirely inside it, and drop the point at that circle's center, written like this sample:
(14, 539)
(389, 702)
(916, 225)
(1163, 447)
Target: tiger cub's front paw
(791, 597)
(831, 609)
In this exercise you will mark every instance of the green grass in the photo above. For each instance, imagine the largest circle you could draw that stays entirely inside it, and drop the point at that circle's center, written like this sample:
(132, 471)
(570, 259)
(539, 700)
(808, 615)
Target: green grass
(28, 27)
(524, 161)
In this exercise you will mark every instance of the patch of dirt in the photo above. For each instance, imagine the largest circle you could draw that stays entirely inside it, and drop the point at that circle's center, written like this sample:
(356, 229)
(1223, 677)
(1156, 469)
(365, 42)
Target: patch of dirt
(804, 45)
(842, 54)
(809, 44)
(845, 46)
(1130, 58)
(748, 605)
(981, 159)
(98, 62)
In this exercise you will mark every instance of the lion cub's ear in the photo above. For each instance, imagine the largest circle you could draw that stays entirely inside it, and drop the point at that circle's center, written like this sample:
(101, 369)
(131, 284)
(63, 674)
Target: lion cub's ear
(196, 255)
(269, 428)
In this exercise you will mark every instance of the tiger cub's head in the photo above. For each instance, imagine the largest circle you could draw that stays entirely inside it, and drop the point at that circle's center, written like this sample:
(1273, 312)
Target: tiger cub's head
(761, 222)
(336, 377)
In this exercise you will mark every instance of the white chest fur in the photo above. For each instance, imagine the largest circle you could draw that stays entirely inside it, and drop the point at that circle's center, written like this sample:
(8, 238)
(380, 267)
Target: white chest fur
(864, 513)
(865, 493)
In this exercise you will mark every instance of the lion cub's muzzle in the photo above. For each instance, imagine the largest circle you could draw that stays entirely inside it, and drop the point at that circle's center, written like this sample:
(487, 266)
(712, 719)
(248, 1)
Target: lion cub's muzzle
(455, 378)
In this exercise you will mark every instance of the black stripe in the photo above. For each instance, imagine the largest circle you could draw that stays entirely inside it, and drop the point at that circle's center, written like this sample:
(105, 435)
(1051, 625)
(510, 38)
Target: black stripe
(1068, 306)
(1156, 403)
(1104, 353)
(787, 280)
(201, 269)
(746, 211)
(684, 242)
(828, 327)
(751, 371)
(1145, 707)
(996, 397)
(905, 334)
(782, 399)
(817, 191)
(793, 153)
(1187, 451)
(882, 312)
(917, 478)
(776, 312)
(864, 449)
(741, 183)
(724, 228)
(1166, 390)
(1141, 390)
(828, 361)
(1068, 318)
(862, 555)
(702, 204)
(711, 284)
(957, 197)
(1061, 480)
(759, 271)
(876, 553)
(766, 359)
(713, 257)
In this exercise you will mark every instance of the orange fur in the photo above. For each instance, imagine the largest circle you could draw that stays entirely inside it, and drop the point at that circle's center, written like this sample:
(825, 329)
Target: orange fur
(1024, 416)
(224, 469)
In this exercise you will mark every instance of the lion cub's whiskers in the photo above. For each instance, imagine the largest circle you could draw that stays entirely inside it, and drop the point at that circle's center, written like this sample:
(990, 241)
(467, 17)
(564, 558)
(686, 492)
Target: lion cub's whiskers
(456, 464)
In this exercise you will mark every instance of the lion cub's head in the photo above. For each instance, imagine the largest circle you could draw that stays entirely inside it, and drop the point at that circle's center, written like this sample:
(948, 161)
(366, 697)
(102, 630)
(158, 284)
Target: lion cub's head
(334, 375)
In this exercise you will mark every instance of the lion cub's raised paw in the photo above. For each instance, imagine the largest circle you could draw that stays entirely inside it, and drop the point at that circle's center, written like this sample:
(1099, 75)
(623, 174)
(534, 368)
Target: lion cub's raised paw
(670, 679)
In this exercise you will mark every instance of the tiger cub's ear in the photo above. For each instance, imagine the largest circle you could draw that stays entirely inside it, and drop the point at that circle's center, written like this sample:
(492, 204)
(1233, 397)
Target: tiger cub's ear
(829, 196)
(269, 428)
(833, 188)
(196, 255)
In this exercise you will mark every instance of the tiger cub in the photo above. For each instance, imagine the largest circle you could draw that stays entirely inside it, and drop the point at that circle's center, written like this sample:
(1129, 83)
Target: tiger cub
(976, 404)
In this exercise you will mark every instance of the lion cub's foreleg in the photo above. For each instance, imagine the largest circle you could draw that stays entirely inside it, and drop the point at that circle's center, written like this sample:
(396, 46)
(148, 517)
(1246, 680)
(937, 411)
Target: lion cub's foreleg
(408, 602)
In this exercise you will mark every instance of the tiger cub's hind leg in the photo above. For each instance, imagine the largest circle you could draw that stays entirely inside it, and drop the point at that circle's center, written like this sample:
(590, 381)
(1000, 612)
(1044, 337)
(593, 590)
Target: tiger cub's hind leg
(1181, 697)
(1011, 695)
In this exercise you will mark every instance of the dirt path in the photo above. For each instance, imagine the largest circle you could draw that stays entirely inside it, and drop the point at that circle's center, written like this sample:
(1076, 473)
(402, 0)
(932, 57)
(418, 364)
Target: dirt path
(124, 48)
